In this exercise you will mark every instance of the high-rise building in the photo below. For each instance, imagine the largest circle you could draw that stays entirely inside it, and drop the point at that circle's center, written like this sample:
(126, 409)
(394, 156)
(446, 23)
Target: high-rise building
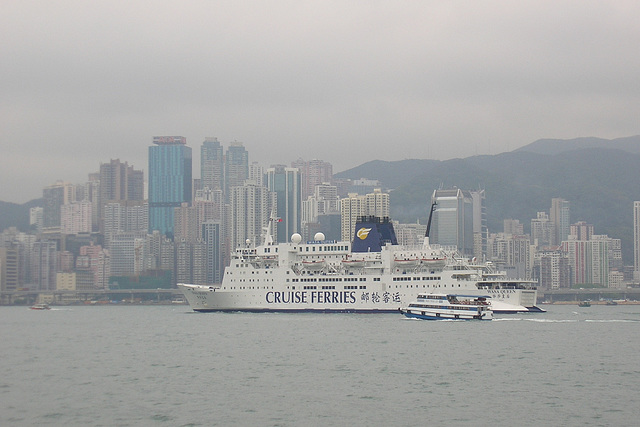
(250, 212)
(589, 261)
(124, 216)
(511, 253)
(118, 182)
(554, 270)
(256, 173)
(285, 183)
(542, 230)
(580, 231)
(36, 219)
(94, 259)
(170, 180)
(236, 167)
(211, 164)
(559, 216)
(76, 217)
(480, 228)
(355, 206)
(44, 261)
(54, 196)
(9, 268)
(212, 237)
(352, 207)
(452, 223)
(313, 172)
(127, 254)
(186, 224)
(636, 241)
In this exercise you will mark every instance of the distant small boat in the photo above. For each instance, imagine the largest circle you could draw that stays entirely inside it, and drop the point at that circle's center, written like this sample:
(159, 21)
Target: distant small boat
(584, 304)
(611, 302)
(40, 307)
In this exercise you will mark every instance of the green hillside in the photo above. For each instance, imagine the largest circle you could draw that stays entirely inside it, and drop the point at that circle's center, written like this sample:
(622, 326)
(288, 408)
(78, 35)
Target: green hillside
(601, 185)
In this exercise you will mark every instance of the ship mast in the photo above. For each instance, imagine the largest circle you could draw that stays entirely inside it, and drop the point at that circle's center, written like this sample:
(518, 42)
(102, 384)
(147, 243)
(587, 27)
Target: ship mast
(426, 234)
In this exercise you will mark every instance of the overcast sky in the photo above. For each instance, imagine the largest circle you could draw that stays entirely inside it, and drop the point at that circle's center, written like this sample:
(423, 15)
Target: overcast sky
(346, 82)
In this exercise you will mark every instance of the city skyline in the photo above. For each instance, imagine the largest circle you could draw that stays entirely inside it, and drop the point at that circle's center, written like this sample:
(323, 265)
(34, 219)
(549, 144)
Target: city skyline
(339, 82)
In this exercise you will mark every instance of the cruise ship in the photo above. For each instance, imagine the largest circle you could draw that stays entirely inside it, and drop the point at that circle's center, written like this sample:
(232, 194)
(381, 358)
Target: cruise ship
(374, 274)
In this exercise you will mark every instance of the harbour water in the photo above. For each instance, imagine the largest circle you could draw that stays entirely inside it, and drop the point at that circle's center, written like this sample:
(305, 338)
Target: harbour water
(166, 365)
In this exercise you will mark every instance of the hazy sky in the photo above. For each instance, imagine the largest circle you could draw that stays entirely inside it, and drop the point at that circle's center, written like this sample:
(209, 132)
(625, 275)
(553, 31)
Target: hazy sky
(83, 82)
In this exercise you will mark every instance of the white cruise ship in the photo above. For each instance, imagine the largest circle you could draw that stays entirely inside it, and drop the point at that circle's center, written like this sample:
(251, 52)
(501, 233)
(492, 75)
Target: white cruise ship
(372, 275)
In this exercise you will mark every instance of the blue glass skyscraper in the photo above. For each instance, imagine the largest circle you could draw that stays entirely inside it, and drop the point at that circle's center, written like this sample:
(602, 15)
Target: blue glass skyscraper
(170, 180)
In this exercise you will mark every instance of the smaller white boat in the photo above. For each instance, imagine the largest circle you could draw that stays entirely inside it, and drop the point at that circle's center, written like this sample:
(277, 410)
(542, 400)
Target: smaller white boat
(448, 307)
(40, 307)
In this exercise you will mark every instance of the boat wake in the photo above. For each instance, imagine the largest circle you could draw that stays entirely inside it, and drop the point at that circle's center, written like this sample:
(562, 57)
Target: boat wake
(566, 320)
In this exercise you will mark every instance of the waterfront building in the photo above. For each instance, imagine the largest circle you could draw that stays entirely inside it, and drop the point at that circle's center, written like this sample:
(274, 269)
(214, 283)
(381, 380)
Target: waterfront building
(589, 261)
(212, 164)
(44, 265)
(553, 267)
(170, 180)
(95, 259)
(9, 268)
(127, 254)
(188, 260)
(616, 280)
(286, 184)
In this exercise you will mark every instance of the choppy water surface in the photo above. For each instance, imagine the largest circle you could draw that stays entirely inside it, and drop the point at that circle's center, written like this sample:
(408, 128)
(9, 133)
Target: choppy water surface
(165, 365)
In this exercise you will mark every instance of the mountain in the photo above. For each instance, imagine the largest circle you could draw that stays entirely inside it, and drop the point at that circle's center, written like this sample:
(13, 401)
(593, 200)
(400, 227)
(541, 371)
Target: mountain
(14, 215)
(630, 144)
(392, 174)
(600, 183)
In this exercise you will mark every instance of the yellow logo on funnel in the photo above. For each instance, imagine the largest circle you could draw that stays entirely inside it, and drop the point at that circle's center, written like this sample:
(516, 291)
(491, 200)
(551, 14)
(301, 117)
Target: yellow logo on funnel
(363, 233)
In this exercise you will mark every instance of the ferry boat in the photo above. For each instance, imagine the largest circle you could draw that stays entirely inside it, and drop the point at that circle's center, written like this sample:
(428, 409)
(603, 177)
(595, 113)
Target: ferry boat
(449, 307)
(41, 306)
(362, 277)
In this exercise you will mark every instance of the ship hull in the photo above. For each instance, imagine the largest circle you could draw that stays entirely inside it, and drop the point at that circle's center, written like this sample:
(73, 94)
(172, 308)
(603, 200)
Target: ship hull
(374, 299)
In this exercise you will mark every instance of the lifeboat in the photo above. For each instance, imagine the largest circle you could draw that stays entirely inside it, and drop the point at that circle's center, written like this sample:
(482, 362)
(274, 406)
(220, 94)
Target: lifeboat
(353, 263)
(406, 262)
(436, 263)
(314, 264)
